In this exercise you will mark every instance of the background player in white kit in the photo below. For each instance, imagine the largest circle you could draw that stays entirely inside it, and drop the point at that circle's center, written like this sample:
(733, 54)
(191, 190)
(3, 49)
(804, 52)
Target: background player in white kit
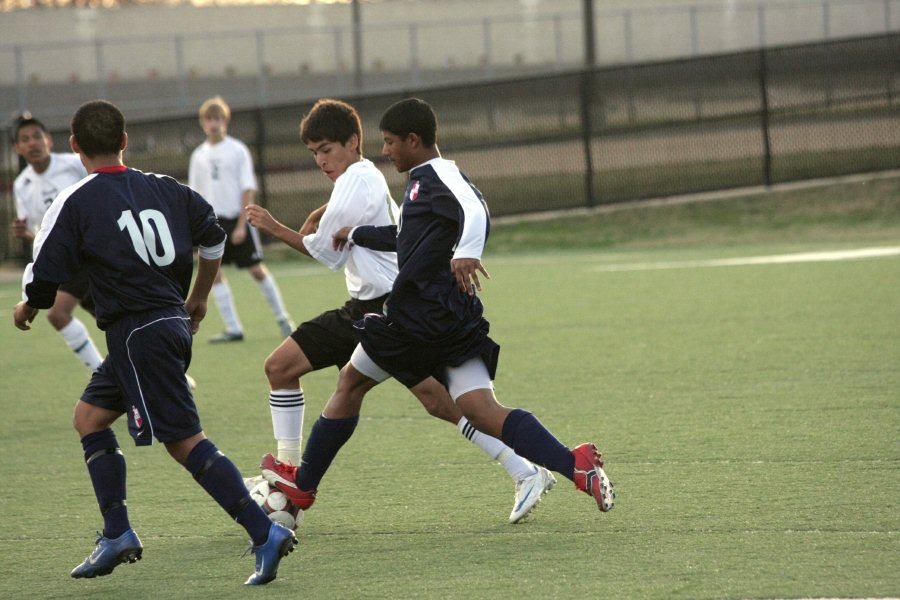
(333, 133)
(35, 188)
(221, 169)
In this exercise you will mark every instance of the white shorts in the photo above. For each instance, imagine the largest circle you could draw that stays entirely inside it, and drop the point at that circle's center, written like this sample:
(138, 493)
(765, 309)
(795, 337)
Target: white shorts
(471, 375)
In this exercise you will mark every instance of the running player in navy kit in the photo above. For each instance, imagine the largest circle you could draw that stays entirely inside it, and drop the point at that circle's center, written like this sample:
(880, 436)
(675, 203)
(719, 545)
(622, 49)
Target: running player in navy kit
(432, 323)
(135, 233)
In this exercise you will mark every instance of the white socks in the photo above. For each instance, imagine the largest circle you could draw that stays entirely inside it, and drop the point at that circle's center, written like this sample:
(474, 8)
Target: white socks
(517, 467)
(79, 340)
(287, 408)
(225, 302)
(273, 297)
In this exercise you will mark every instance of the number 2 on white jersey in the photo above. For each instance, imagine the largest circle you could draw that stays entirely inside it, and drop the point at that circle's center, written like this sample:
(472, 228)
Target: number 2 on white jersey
(144, 238)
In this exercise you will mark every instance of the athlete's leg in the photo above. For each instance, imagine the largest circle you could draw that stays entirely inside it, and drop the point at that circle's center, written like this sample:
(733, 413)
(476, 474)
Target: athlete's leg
(224, 300)
(272, 294)
(284, 367)
(73, 330)
(437, 401)
(221, 479)
(105, 464)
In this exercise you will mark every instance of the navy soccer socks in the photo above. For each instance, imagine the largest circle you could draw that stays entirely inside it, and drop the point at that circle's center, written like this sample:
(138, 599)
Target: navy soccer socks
(106, 466)
(325, 440)
(221, 479)
(530, 439)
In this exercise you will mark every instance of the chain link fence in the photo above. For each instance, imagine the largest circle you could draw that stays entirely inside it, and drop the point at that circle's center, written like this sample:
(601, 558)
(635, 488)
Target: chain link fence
(589, 137)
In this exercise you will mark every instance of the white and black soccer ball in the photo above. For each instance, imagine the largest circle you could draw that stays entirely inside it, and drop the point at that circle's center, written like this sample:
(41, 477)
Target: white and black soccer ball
(274, 503)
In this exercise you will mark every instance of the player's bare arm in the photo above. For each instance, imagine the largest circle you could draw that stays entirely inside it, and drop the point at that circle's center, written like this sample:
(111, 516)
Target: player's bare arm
(263, 220)
(20, 230)
(196, 302)
(311, 225)
(23, 315)
(240, 229)
(340, 238)
(466, 271)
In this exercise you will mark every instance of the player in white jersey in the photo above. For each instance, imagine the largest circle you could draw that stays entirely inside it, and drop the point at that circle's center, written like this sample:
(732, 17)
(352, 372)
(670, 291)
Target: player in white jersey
(34, 189)
(333, 133)
(221, 169)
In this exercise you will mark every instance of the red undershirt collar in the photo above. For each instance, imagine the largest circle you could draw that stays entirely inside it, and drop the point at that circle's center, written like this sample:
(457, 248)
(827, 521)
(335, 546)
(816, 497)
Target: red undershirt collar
(115, 169)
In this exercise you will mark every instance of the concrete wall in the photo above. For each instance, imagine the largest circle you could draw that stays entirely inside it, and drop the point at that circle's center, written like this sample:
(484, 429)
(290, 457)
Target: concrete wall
(51, 58)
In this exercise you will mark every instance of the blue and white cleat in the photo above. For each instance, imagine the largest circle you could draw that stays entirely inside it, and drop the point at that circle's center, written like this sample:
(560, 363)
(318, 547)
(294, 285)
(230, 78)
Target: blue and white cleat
(109, 554)
(529, 492)
(281, 542)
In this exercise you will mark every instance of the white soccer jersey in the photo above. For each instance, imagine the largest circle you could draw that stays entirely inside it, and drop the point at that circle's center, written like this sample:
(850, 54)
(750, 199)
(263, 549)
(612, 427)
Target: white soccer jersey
(360, 197)
(35, 191)
(221, 173)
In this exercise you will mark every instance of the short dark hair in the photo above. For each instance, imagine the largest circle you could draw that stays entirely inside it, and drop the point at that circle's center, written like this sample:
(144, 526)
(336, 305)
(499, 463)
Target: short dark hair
(332, 120)
(24, 120)
(99, 128)
(411, 116)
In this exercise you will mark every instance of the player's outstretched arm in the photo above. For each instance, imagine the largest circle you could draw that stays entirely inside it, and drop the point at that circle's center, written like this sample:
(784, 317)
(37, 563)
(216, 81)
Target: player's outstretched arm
(263, 220)
(20, 230)
(311, 225)
(466, 271)
(23, 315)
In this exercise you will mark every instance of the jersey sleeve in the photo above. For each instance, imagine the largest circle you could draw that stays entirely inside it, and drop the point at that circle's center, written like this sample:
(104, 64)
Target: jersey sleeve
(344, 209)
(21, 210)
(205, 229)
(381, 239)
(247, 177)
(194, 172)
(471, 214)
(55, 258)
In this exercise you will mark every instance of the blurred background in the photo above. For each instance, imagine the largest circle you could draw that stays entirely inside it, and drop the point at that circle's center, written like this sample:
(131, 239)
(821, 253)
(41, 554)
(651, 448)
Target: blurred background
(544, 104)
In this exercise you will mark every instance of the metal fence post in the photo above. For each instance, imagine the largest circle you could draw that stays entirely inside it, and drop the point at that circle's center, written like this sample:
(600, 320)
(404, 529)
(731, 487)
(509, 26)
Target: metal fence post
(180, 73)
(101, 69)
(21, 90)
(587, 88)
(761, 24)
(764, 115)
(261, 167)
(415, 77)
(488, 48)
(262, 77)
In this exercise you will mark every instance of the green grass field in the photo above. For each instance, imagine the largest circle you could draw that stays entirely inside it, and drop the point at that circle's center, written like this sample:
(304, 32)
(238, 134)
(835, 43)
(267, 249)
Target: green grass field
(750, 417)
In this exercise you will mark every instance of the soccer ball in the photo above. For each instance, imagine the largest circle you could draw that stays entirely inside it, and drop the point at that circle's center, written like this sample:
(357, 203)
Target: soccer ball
(274, 503)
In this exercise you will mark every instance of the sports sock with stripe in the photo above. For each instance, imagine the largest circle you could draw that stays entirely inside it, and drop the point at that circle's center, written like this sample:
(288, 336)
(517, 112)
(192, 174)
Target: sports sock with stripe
(79, 340)
(517, 467)
(287, 408)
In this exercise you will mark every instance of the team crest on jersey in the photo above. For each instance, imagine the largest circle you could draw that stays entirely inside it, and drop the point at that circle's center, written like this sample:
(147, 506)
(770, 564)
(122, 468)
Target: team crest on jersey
(137, 417)
(414, 191)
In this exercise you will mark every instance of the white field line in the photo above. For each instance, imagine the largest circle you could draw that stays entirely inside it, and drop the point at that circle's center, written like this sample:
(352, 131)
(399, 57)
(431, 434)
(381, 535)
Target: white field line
(799, 257)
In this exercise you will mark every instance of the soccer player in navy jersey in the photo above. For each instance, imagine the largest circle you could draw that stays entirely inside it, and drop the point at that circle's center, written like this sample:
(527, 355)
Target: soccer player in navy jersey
(332, 131)
(135, 234)
(433, 323)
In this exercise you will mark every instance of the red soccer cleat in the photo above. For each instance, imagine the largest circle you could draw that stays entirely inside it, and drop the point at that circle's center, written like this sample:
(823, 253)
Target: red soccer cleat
(590, 478)
(283, 476)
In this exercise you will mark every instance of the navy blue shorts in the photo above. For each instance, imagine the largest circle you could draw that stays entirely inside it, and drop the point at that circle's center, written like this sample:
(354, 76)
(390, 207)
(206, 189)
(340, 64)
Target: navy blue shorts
(410, 360)
(329, 339)
(143, 376)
